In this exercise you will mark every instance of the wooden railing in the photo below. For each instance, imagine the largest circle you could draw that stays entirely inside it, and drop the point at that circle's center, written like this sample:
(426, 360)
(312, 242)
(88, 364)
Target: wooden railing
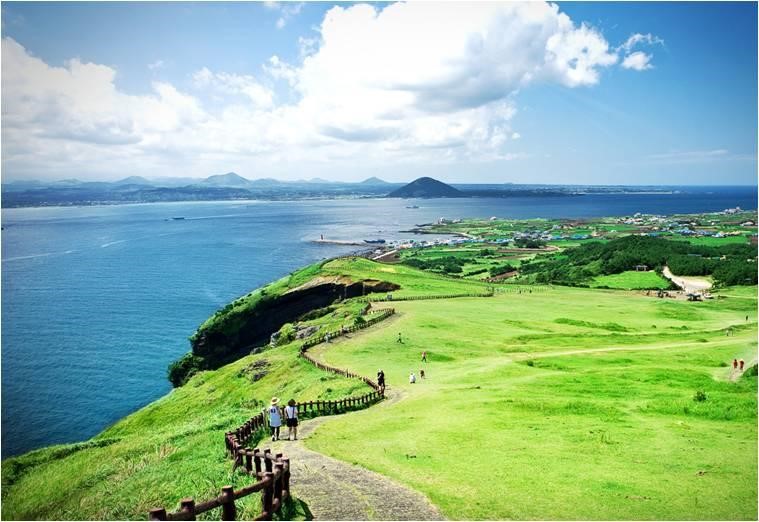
(374, 318)
(424, 297)
(272, 473)
(273, 481)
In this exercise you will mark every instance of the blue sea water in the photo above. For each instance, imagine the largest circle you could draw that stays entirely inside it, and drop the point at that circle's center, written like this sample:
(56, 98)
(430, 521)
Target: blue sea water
(97, 301)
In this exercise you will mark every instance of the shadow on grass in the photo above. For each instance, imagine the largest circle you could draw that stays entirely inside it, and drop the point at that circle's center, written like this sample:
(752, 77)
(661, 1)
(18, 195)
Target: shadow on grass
(294, 509)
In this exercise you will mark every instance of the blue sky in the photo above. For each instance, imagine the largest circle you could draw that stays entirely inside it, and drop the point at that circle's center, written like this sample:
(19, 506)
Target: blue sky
(603, 93)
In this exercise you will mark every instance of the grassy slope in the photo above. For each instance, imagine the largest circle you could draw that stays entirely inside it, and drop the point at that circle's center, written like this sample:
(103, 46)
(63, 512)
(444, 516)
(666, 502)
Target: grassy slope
(174, 447)
(614, 420)
(632, 280)
(168, 450)
(600, 435)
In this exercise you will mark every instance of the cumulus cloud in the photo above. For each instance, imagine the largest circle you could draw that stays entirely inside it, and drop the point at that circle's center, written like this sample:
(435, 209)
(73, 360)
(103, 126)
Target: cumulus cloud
(234, 84)
(638, 61)
(638, 38)
(383, 84)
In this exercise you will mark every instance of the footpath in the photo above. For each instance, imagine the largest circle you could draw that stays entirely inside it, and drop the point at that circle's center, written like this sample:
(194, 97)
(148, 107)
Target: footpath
(336, 490)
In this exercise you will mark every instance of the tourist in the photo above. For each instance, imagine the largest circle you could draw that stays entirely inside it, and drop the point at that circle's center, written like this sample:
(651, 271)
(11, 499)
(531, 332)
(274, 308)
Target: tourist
(412, 378)
(421, 373)
(400, 338)
(326, 338)
(291, 418)
(735, 364)
(424, 356)
(381, 380)
(740, 364)
(275, 419)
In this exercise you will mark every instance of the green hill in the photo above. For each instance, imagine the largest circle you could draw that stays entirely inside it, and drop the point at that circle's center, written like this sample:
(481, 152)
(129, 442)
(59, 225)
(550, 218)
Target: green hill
(538, 403)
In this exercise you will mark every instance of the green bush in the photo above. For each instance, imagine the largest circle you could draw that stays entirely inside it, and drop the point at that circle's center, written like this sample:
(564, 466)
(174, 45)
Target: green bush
(183, 368)
(699, 396)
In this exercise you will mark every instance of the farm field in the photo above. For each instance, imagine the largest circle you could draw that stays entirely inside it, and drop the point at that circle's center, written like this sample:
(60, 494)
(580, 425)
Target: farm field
(632, 280)
(565, 404)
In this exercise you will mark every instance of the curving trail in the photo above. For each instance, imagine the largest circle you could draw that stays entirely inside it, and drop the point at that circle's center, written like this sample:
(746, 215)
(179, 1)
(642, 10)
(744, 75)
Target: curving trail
(336, 490)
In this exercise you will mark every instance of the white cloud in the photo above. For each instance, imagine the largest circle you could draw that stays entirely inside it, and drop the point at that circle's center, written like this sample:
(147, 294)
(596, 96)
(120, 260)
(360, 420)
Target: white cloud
(638, 38)
(287, 11)
(638, 61)
(158, 64)
(234, 84)
(378, 86)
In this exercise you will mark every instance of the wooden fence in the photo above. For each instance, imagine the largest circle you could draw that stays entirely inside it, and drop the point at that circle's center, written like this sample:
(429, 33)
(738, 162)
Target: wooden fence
(425, 297)
(375, 317)
(272, 473)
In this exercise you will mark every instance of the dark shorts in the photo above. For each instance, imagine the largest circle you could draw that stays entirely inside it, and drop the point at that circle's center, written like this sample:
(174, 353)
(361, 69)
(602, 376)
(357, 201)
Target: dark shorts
(291, 423)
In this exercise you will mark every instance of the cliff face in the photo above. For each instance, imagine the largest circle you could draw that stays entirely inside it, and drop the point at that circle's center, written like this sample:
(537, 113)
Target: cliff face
(239, 332)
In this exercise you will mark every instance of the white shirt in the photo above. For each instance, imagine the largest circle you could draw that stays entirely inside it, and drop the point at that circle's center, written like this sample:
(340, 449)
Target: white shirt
(291, 412)
(274, 418)
(412, 378)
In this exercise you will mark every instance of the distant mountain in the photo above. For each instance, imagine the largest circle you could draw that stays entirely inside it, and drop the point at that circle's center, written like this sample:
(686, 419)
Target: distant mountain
(374, 181)
(265, 182)
(228, 180)
(426, 188)
(133, 180)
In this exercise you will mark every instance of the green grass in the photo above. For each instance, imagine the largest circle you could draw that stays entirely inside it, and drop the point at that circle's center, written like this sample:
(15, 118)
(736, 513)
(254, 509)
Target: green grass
(717, 241)
(632, 280)
(171, 449)
(563, 403)
(511, 423)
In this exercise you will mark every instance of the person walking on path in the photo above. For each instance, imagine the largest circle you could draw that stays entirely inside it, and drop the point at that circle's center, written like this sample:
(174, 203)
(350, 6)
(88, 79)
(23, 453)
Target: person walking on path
(400, 338)
(291, 418)
(275, 419)
(735, 364)
(381, 380)
(421, 373)
(412, 378)
(424, 356)
(740, 364)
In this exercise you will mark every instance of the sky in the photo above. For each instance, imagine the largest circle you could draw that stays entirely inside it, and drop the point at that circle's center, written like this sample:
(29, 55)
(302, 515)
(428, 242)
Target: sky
(587, 93)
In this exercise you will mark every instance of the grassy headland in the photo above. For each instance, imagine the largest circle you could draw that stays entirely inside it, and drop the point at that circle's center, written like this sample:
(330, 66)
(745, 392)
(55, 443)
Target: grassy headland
(557, 403)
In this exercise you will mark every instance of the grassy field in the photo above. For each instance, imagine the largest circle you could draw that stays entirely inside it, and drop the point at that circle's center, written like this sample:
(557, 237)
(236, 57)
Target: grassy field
(557, 404)
(566, 404)
(632, 280)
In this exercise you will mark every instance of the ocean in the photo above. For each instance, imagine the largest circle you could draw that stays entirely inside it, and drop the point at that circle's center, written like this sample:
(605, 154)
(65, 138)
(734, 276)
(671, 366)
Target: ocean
(97, 301)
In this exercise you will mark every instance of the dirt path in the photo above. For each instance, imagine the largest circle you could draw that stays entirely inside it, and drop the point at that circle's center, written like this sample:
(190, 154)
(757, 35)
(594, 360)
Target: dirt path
(336, 490)
(689, 284)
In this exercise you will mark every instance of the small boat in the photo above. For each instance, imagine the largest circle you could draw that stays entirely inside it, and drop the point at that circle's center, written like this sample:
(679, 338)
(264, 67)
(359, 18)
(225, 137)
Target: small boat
(375, 241)
(177, 218)
(412, 206)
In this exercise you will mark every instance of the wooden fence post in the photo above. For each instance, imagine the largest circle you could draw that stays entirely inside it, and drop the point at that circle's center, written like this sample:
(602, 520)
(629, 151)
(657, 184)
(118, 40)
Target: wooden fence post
(286, 482)
(188, 507)
(157, 514)
(267, 495)
(278, 470)
(228, 508)
(267, 460)
(248, 460)
(257, 462)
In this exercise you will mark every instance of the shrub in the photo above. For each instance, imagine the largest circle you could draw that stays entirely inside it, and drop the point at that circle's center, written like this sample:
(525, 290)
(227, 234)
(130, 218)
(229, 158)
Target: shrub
(699, 396)
(183, 368)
